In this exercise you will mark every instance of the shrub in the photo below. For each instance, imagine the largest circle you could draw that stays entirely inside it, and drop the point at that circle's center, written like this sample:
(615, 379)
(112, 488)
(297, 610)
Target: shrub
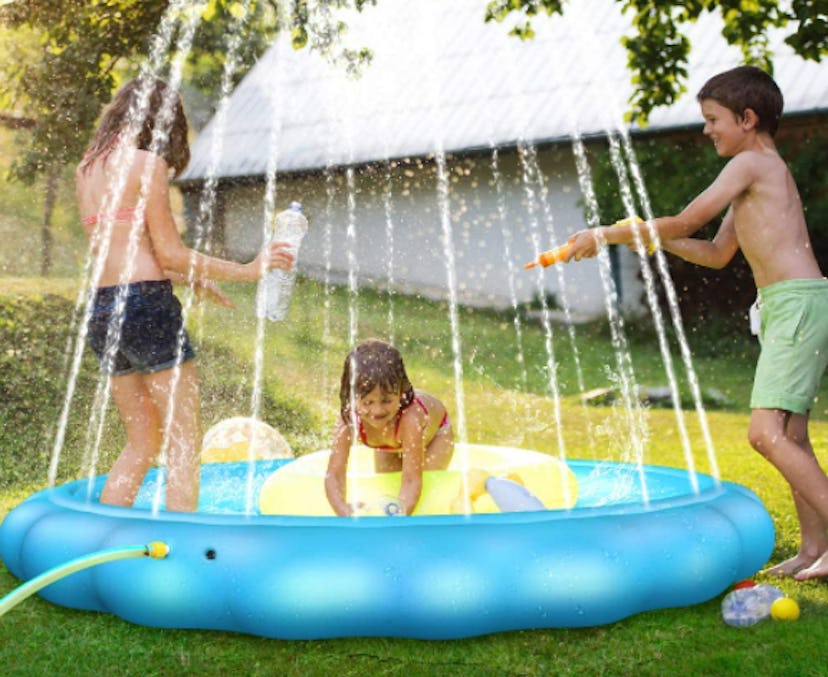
(36, 333)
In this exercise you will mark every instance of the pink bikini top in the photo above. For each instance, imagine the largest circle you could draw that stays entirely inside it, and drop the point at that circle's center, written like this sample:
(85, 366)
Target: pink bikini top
(120, 215)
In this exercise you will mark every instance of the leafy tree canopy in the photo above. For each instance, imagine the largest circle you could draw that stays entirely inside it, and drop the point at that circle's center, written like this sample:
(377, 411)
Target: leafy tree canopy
(62, 61)
(86, 48)
(657, 55)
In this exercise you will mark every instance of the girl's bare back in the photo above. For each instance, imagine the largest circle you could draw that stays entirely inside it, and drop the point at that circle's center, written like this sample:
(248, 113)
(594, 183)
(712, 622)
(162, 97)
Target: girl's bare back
(121, 223)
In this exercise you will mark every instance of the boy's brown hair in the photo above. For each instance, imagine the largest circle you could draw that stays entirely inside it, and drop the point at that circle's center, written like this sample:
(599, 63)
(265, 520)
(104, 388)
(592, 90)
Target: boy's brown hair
(747, 87)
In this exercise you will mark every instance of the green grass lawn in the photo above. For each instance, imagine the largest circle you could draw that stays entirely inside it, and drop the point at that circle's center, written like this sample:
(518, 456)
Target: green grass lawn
(507, 398)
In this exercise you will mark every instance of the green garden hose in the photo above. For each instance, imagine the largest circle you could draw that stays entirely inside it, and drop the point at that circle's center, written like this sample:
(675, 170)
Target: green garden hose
(155, 549)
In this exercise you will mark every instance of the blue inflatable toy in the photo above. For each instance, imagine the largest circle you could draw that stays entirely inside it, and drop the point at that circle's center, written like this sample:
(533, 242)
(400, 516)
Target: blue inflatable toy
(431, 576)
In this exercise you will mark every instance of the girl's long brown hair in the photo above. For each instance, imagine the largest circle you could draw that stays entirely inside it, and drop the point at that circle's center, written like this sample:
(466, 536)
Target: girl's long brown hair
(171, 144)
(374, 363)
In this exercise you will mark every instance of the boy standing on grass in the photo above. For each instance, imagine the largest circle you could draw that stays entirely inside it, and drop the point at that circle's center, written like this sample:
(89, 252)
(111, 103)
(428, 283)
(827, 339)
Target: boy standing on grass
(741, 109)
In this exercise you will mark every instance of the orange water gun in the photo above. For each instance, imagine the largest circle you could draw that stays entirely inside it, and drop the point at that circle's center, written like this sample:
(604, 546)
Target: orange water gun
(550, 257)
(558, 254)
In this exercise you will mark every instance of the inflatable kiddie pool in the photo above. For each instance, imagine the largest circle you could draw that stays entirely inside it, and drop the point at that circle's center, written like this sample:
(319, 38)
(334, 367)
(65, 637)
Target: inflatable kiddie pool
(430, 576)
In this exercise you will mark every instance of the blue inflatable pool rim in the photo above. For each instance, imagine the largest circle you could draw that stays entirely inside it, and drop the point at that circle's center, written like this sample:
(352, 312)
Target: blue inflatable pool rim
(431, 577)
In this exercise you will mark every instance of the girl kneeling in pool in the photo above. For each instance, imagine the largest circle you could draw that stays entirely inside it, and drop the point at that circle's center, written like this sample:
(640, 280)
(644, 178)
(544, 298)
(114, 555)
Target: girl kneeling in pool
(408, 429)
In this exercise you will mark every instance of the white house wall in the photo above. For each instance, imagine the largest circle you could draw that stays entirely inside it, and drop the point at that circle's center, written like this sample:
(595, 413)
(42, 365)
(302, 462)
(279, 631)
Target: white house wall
(485, 274)
(441, 77)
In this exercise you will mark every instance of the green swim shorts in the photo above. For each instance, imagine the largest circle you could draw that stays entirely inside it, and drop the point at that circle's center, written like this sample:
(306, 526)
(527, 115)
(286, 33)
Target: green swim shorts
(794, 339)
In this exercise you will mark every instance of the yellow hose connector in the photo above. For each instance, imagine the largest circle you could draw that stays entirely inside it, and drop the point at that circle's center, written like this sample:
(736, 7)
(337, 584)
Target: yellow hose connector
(157, 549)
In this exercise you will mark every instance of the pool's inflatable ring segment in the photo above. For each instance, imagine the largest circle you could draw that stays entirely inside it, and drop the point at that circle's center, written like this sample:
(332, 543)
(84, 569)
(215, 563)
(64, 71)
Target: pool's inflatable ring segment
(298, 487)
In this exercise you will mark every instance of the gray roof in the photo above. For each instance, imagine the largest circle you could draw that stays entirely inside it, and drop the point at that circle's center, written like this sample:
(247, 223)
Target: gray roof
(442, 79)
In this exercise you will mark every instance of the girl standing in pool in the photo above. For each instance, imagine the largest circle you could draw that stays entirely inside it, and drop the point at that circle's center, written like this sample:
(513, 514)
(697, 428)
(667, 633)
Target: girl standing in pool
(135, 325)
(408, 429)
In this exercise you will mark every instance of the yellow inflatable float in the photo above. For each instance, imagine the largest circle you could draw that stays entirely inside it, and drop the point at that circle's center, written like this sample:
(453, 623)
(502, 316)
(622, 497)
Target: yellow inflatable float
(297, 488)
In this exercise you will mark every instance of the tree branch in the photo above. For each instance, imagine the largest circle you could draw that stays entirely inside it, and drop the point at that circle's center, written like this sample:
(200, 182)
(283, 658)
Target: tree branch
(10, 121)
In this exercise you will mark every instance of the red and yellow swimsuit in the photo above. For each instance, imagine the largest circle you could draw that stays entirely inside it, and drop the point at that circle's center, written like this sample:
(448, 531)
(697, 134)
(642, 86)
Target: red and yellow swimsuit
(363, 438)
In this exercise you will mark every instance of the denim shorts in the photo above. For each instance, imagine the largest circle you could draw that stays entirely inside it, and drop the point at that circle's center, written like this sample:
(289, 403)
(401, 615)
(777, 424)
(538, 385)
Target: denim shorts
(146, 336)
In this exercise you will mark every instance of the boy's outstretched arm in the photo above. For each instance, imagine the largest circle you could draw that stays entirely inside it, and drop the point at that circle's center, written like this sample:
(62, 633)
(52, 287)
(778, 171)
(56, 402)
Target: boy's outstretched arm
(715, 253)
(733, 180)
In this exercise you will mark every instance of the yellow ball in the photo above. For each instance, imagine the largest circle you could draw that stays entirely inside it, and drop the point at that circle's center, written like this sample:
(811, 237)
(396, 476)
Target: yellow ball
(784, 609)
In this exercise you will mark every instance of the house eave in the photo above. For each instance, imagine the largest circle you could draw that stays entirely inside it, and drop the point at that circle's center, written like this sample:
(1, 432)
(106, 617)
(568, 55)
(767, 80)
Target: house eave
(797, 118)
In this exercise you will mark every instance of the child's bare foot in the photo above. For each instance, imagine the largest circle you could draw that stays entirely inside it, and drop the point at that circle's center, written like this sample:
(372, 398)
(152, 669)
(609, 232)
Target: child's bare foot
(791, 566)
(818, 569)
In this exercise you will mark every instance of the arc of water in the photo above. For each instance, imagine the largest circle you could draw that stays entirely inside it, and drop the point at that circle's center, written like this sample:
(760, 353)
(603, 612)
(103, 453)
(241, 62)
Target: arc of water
(353, 420)
(327, 252)
(551, 362)
(160, 136)
(99, 245)
(447, 240)
(678, 324)
(353, 260)
(443, 199)
(541, 182)
(345, 115)
(588, 30)
(353, 295)
(506, 233)
(204, 227)
(535, 173)
(519, 113)
(625, 374)
(387, 202)
(535, 190)
(319, 22)
(274, 99)
(204, 224)
(380, 90)
(655, 309)
(618, 164)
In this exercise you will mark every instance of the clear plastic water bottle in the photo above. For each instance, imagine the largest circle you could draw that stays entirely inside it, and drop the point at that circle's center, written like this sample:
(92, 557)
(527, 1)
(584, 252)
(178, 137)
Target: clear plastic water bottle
(747, 606)
(277, 286)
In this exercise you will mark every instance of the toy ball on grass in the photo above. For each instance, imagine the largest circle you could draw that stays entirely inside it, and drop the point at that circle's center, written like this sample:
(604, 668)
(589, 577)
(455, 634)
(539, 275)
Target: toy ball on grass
(784, 609)
(241, 439)
(747, 606)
